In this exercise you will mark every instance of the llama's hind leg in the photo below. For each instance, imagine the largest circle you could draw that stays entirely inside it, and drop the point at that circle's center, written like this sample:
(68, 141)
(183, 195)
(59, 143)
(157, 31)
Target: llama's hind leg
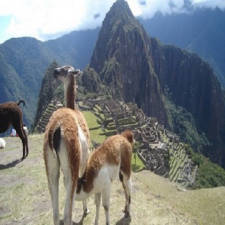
(21, 133)
(127, 191)
(69, 182)
(52, 168)
(105, 203)
(69, 200)
(97, 203)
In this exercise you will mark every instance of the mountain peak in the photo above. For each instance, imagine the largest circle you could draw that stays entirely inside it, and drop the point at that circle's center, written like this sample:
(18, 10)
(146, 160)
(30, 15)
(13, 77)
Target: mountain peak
(121, 58)
(119, 10)
(119, 21)
(121, 6)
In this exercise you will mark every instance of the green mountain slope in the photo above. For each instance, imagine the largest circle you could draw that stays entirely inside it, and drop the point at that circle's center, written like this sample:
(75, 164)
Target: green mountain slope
(25, 60)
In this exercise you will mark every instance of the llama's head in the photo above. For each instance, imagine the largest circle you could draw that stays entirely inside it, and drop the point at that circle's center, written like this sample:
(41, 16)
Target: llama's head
(129, 136)
(65, 72)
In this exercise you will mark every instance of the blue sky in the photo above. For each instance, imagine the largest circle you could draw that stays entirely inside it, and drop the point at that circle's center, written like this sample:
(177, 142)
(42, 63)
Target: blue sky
(47, 19)
(4, 23)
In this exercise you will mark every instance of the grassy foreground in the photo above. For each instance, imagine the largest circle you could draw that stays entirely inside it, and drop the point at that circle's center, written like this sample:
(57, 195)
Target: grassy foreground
(24, 197)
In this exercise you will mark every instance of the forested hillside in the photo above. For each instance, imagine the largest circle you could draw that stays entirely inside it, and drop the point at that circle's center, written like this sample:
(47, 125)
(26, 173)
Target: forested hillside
(24, 62)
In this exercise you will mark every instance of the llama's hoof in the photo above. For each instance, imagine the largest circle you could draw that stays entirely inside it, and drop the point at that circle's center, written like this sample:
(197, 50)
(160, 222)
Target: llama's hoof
(86, 212)
(24, 157)
(126, 214)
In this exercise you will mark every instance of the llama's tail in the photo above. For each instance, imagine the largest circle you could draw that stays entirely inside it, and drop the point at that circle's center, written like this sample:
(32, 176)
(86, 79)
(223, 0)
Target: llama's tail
(56, 139)
(21, 101)
(54, 136)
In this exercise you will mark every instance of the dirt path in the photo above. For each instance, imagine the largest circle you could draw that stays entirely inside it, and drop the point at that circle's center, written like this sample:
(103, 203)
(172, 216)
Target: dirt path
(24, 197)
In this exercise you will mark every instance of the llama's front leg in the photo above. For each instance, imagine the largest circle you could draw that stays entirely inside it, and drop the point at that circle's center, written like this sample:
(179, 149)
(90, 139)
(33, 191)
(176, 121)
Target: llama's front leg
(105, 203)
(97, 203)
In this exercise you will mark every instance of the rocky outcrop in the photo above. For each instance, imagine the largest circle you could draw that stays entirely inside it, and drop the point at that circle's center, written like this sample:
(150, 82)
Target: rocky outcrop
(193, 85)
(47, 92)
(122, 60)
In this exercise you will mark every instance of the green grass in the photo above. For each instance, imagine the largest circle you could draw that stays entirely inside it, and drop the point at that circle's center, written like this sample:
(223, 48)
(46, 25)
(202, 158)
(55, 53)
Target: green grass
(96, 132)
(209, 174)
(137, 164)
(99, 135)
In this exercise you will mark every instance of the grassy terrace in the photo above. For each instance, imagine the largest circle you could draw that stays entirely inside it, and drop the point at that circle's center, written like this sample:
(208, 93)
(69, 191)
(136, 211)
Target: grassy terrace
(98, 135)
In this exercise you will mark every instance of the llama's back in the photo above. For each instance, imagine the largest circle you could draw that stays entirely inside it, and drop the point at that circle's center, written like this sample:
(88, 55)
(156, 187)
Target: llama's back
(83, 124)
(61, 137)
(120, 148)
(115, 151)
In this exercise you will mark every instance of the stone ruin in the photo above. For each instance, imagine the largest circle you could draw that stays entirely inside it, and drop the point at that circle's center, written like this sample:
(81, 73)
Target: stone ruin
(52, 106)
(159, 149)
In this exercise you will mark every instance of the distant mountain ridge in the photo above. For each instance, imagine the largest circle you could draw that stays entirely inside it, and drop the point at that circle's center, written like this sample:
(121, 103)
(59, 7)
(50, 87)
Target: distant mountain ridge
(23, 62)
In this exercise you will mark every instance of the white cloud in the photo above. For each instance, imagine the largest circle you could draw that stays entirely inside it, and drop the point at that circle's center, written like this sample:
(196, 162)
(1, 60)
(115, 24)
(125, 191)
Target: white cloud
(41, 18)
(209, 3)
(150, 7)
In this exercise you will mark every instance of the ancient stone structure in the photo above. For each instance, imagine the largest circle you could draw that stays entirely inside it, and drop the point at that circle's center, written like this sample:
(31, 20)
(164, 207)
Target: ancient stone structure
(159, 149)
(52, 106)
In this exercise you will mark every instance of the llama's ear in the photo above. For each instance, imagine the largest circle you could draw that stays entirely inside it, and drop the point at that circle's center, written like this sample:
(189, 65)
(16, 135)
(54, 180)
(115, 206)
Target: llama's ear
(71, 70)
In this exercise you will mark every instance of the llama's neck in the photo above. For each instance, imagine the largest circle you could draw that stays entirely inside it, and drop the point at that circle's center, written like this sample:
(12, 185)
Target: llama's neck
(81, 194)
(85, 184)
(95, 178)
(70, 92)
